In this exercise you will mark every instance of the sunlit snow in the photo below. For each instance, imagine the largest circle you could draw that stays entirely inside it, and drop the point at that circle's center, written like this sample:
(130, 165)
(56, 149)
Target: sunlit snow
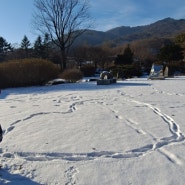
(128, 133)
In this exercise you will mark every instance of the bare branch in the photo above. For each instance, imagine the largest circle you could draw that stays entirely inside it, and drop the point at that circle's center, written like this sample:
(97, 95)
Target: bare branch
(63, 20)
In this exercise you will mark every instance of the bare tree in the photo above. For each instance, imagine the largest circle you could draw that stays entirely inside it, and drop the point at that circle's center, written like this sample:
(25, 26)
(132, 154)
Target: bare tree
(63, 20)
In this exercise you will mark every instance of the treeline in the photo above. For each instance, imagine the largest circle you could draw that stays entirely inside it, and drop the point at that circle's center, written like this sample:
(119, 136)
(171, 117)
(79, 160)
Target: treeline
(126, 60)
(143, 51)
(41, 48)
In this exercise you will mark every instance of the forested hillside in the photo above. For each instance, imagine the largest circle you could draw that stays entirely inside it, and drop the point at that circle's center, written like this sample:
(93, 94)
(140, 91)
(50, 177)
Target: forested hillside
(165, 28)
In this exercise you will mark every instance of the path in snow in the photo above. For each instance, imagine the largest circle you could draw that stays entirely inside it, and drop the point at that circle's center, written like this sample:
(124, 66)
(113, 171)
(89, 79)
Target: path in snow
(174, 128)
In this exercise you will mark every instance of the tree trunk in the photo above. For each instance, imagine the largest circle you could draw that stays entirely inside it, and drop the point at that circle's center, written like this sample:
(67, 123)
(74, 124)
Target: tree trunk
(63, 63)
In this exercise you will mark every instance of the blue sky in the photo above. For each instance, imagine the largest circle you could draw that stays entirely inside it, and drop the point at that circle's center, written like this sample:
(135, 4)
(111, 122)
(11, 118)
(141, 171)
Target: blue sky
(16, 15)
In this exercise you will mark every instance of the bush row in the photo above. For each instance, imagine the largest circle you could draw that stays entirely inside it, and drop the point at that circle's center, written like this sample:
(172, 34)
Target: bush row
(26, 72)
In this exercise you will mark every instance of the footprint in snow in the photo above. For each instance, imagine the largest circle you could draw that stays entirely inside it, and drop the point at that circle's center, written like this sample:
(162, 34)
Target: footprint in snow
(10, 129)
(118, 117)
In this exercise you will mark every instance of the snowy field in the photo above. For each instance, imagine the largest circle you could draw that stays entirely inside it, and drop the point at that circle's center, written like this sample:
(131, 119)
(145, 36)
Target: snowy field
(128, 133)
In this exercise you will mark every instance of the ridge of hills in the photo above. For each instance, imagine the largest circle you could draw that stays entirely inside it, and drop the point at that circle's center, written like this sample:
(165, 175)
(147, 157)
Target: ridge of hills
(165, 28)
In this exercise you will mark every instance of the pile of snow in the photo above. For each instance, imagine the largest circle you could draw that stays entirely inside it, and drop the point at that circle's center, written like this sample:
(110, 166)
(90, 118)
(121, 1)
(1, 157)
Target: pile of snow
(131, 132)
(56, 81)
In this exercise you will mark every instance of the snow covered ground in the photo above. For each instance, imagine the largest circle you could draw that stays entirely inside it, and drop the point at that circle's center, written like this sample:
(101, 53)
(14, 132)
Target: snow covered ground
(128, 133)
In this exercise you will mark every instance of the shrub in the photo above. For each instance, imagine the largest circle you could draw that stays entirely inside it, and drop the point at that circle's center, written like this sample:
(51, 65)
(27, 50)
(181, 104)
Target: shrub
(126, 71)
(88, 70)
(26, 72)
(176, 67)
(72, 75)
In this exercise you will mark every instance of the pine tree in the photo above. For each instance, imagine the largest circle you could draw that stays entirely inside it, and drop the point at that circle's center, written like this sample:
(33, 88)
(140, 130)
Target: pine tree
(5, 47)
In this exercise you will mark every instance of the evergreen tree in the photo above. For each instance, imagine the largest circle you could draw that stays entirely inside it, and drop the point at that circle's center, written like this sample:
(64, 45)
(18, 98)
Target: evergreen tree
(126, 58)
(46, 46)
(170, 53)
(5, 47)
(38, 47)
(180, 39)
(128, 55)
(41, 48)
(25, 44)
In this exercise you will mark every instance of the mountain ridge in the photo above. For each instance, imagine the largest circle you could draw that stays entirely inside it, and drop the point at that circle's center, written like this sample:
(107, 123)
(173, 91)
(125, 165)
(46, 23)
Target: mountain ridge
(165, 28)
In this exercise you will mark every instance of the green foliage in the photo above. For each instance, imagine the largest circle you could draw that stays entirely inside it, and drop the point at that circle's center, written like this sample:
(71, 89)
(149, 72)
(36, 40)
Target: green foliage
(126, 58)
(26, 72)
(72, 75)
(171, 52)
(126, 71)
(41, 48)
(4, 48)
(38, 47)
(25, 44)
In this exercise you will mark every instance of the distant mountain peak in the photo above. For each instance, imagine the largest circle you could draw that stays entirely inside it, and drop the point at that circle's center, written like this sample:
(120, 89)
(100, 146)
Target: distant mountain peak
(167, 27)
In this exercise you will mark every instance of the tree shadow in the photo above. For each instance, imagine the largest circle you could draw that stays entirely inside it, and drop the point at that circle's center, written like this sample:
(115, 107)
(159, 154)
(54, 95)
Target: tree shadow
(3, 94)
(88, 86)
(15, 179)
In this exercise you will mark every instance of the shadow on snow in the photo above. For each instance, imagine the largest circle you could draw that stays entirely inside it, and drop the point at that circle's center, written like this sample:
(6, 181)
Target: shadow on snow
(82, 86)
(15, 179)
